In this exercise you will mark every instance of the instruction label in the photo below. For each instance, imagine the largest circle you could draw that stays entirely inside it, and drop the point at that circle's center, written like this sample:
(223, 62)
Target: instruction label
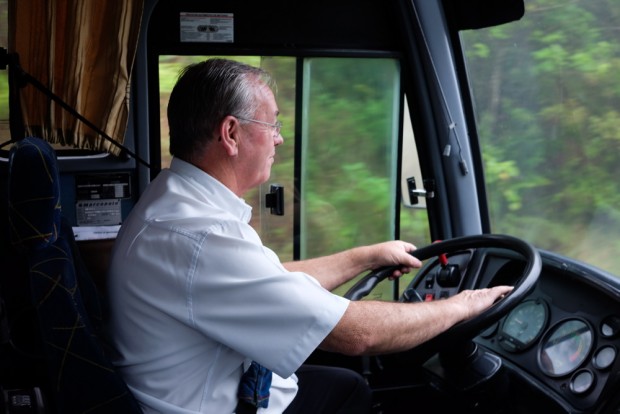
(207, 27)
(98, 212)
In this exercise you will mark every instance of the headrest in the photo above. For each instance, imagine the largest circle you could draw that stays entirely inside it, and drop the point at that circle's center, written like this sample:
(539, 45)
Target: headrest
(34, 193)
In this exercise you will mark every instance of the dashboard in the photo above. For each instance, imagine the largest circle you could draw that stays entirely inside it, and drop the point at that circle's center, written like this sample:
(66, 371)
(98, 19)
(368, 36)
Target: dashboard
(562, 340)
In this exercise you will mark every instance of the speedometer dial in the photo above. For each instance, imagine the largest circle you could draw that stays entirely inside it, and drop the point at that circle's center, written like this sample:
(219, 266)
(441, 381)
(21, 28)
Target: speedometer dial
(565, 347)
(523, 325)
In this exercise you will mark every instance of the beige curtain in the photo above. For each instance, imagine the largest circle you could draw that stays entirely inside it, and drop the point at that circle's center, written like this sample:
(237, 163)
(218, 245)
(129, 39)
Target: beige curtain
(83, 52)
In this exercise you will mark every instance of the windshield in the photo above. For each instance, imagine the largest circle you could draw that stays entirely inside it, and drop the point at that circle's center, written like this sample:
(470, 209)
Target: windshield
(547, 99)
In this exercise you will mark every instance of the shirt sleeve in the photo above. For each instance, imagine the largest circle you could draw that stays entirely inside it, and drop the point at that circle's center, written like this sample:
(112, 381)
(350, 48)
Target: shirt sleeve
(242, 296)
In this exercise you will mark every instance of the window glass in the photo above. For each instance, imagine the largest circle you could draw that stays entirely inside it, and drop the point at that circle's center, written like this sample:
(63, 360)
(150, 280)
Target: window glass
(547, 97)
(414, 226)
(276, 231)
(349, 152)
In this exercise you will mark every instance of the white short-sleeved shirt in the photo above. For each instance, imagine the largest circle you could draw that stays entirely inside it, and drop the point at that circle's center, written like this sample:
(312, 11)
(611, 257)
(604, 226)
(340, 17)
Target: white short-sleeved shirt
(194, 295)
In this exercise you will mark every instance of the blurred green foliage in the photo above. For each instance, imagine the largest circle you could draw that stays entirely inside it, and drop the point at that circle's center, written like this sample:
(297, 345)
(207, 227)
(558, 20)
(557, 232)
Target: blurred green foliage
(547, 93)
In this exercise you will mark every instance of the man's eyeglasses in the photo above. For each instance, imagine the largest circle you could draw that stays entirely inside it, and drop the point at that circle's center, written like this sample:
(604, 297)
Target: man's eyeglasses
(276, 127)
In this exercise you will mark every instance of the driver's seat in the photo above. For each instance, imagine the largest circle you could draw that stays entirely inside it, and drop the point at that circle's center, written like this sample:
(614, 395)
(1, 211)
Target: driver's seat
(67, 304)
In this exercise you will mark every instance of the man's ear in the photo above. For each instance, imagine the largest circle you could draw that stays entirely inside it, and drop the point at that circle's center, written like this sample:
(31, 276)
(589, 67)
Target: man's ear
(229, 135)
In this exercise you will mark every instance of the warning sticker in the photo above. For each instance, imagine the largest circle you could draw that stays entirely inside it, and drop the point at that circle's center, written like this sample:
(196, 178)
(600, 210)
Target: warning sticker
(98, 212)
(207, 27)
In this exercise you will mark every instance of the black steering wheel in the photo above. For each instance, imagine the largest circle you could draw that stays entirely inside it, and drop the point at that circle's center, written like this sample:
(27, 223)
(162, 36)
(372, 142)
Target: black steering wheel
(470, 328)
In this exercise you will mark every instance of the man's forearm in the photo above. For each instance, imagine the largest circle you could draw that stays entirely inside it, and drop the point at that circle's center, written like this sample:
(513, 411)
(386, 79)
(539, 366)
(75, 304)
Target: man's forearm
(372, 327)
(333, 270)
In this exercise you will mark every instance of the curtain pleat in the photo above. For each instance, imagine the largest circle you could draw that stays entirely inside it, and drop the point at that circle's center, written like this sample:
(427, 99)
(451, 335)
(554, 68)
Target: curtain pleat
(83, 51)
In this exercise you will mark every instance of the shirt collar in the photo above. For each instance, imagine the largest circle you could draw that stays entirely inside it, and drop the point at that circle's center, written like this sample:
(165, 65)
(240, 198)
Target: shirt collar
(218, 194)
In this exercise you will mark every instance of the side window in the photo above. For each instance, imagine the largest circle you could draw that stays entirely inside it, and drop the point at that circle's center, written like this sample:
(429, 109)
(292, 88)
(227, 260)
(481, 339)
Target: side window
(414, 225)
(349, 155)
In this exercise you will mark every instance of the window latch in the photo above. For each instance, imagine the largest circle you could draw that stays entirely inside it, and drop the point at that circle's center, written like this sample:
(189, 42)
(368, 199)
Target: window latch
(414, 192)
(275, 199)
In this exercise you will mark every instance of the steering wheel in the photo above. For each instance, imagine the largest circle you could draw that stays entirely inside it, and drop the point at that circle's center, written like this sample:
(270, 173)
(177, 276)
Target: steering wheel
(469, 328)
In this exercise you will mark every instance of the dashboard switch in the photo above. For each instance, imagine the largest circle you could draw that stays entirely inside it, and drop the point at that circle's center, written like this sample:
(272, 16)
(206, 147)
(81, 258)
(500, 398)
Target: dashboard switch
(429, 283)
(449, 276)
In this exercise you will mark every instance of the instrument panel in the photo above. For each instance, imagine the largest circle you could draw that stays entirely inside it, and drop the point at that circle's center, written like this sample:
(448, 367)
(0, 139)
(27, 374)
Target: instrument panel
(565, 336)
(561, 341)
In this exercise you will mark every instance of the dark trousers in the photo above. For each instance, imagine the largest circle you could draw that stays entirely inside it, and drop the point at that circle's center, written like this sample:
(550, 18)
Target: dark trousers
(327, 390)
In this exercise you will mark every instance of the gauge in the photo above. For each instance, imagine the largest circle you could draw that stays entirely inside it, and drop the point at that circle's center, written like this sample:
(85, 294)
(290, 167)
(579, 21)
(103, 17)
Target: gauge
(565, 347)
(610, 326)
(604, 357)
(523, 325)
(581, 382)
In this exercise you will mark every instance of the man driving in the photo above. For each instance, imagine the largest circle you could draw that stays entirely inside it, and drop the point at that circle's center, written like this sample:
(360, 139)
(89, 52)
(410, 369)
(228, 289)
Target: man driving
(202, 311)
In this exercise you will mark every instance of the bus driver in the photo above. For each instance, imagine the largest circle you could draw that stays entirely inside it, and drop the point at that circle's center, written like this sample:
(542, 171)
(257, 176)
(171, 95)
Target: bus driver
(196, 297)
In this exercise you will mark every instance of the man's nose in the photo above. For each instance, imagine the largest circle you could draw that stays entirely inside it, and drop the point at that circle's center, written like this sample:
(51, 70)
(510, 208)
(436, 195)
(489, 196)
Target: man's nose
(279, 139)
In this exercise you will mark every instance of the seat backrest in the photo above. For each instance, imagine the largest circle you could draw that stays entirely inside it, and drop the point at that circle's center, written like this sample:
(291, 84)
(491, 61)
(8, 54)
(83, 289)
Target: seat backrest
(68, 306)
